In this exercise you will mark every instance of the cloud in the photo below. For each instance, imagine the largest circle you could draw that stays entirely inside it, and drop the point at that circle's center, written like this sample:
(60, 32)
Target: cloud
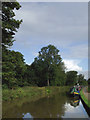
(74, 112)
(64, 25)
(78, 51)
(72, 65)
(85, 73)
(46, 22)
(35, 54)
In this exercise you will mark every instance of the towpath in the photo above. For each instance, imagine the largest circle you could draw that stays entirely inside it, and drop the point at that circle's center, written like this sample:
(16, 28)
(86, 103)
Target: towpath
(85, 92)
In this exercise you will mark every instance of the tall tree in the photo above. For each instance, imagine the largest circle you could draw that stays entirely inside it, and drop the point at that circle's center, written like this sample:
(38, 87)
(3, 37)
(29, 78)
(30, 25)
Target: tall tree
(9, 26)
(47, 57)
(9, 23)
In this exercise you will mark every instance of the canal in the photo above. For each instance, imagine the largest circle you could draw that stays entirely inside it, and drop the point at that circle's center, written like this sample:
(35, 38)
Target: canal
(58, 105)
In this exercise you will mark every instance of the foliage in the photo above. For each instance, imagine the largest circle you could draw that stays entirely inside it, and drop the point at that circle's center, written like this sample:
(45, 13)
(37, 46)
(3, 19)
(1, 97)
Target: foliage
(13, 68)
(32, 92)
(9, 24)
(45, 66)
(81, 80)
(12, 62)
(71, 77)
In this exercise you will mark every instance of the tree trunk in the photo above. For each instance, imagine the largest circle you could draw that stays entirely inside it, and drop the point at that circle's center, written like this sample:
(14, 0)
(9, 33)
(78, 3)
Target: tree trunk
(48, 82)
(48, 75)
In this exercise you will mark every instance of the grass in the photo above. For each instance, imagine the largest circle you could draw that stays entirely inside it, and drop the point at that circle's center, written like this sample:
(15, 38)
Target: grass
(84, 98)
(31, 92)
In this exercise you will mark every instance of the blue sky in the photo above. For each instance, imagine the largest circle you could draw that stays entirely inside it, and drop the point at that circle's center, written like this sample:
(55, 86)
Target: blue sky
(64, 25)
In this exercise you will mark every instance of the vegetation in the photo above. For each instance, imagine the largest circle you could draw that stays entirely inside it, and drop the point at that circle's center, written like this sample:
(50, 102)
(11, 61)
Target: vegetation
(32, 92)
(86, 100)
(9, 24)
(89, 85)
(48, 67)
(46, 70)
(81, 80)
(71, 77)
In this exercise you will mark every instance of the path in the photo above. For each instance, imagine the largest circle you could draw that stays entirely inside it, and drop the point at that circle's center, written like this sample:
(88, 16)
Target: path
(87, 95)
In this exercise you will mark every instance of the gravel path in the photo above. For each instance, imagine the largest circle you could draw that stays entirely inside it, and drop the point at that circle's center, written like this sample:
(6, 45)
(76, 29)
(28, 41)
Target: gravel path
(87, 95)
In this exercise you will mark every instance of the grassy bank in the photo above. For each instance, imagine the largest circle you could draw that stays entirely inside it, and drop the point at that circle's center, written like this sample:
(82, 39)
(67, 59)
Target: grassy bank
(31, 92)
(84, 98)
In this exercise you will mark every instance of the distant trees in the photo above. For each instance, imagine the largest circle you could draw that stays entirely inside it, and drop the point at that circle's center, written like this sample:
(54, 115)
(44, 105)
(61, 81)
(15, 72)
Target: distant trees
(71, 77)
(82, 80)
(46, 70)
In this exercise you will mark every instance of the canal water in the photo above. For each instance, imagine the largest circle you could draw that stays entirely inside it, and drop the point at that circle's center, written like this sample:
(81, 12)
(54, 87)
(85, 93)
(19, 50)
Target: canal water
(55, 106)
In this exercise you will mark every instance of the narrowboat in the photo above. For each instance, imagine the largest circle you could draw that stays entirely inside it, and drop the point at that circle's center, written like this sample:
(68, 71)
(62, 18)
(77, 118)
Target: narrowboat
(75, 91)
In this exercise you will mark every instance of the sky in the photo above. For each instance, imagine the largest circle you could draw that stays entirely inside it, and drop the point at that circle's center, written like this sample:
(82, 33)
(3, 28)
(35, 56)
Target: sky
(62, 24)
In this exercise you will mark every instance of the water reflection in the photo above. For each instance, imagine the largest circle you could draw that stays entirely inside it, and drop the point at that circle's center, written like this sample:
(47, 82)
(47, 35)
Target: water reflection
(75, 102)
(27, 115)
(75, 110)
(55, 106)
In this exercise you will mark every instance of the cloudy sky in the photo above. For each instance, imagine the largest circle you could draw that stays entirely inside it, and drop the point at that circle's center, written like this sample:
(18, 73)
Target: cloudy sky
(64, 25)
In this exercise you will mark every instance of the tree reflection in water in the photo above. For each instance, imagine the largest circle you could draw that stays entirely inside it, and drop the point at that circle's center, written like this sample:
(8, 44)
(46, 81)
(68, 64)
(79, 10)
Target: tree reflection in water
(54, 106)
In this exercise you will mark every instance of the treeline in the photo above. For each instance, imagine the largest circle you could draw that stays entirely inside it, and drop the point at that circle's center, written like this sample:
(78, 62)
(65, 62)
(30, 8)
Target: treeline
(47, 68)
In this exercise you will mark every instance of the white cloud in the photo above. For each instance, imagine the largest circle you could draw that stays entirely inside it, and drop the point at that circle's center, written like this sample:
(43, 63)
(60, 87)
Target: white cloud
(74, 112)
(72, 65)
(85, 73)
(35, 54)
(59, 24)
(47, 22)
(78, 51)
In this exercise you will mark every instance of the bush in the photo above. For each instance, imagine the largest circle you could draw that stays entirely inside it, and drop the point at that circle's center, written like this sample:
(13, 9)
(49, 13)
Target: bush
(4, 86)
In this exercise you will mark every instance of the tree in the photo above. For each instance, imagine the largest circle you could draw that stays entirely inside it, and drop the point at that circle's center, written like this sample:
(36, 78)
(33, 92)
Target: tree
(40, 71)
(80, 79)
(9, 58)
(46, 62)
(30, 77)
(71, 77)
(13, 69)
(60, 76)
(9, 23)
(8, 74)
